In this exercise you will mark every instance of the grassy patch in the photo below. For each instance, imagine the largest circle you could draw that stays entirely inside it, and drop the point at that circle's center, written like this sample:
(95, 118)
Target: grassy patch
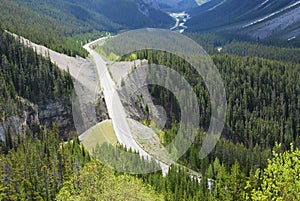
(101, 133)
(107, 54)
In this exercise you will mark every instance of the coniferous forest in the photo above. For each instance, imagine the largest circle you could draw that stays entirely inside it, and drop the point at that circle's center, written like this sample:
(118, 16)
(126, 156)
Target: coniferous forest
(38, 164)
(256, 159)
(261, 136)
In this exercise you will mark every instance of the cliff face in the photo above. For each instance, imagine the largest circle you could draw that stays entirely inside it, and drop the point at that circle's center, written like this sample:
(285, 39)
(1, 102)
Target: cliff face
(59, 113)
(27, 117)
(32, 116)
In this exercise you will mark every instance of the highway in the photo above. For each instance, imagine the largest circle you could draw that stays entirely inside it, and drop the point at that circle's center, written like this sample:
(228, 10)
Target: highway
(115, 108)
(86, 77)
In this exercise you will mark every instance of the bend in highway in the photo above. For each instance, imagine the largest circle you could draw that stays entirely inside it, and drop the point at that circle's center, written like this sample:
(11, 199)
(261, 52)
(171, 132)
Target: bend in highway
(115, 108)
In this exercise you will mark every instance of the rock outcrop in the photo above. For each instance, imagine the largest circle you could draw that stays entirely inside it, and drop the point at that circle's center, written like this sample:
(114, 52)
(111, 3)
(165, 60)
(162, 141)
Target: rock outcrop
(32, 116)
(145, 6)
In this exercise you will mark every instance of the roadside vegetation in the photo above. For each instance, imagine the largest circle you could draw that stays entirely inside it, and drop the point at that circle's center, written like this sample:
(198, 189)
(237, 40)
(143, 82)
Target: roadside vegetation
(257, 157)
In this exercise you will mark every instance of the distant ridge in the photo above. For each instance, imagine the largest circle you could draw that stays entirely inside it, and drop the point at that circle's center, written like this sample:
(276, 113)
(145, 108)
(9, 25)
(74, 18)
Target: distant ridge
(58, 24)
(253, 18)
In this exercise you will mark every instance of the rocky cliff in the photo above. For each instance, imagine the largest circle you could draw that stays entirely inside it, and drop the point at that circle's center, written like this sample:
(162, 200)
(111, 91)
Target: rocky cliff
(31, 116)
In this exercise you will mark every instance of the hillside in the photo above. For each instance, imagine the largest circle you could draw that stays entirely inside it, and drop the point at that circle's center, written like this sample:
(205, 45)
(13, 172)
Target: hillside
(263, 110)
(257, 156)
(60, 25)
(257, 19)
(26, 105)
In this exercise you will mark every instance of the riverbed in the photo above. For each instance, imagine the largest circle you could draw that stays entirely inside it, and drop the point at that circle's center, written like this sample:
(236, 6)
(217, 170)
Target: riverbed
(180, 18)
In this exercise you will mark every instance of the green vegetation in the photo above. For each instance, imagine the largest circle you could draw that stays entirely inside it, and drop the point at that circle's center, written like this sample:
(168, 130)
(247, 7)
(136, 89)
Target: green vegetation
(262, 86)
(263, 109)
(263, 51)
(110, 57)
(43, 168)
(178, 185)
(27, 79)
(64, 25)
(39, 165)
(40, 28)
(21, 70)
(36, 164)
(240, 45)
(96, 182)
(123, 160)
(280, 180)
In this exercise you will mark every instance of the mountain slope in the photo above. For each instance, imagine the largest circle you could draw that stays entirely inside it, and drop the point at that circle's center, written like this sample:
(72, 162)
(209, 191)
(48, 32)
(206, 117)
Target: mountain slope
(58, 24)
(100, 12)
(34, 91)
(254, 18)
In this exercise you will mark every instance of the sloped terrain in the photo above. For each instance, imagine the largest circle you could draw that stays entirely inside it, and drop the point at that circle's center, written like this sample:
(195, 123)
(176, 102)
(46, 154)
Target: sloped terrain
(63, 25)
(34, 91)
(255, 18)
(227, 12)
(99, 15)
(286, 26)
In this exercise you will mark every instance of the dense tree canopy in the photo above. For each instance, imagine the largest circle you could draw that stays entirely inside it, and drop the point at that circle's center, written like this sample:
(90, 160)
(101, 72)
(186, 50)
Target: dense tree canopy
(38, 166)
(263, 109)
(26, 74)
(96, 182)
(262, 86)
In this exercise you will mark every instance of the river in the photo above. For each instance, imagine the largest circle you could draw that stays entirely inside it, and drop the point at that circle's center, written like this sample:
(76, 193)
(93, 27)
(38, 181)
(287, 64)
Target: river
(181, 18)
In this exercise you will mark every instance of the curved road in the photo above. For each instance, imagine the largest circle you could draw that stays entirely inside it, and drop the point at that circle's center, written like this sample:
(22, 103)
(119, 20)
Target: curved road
(115, 108)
